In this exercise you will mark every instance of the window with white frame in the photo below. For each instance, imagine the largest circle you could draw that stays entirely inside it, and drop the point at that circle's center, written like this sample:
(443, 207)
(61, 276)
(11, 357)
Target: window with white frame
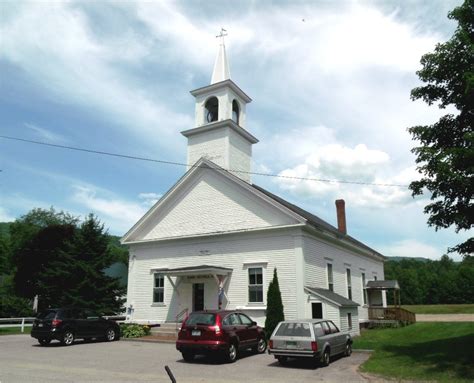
(364, 292)
(158, 288)
(349, 283)
(255, 284)
(330, 277)
(349, 321)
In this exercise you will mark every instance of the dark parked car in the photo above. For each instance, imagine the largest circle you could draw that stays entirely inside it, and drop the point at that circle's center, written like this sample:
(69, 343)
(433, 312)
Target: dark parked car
(219, 332)
(318, 339)
(68, 324)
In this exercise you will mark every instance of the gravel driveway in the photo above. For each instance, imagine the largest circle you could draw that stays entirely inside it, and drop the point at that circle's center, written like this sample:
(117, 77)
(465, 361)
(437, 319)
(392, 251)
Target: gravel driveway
(445, 317)
(23, 360)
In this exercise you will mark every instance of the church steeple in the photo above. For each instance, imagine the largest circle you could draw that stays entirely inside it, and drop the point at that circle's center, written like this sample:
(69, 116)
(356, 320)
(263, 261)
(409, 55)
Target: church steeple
(221, 70)
(220, 134)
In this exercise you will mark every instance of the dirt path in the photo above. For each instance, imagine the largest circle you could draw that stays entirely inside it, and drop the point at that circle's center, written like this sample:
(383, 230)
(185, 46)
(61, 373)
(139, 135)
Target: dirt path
(445, 317)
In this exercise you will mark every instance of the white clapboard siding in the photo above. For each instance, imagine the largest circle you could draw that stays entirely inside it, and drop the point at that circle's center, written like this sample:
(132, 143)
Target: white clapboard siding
(237, 253)
(240, 155)
(344, 324)
(317, 254)
(212, 144)
(211, 204)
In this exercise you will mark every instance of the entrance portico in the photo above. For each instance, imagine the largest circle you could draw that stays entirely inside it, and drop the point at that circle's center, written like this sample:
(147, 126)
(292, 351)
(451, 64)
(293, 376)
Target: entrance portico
(196, 288)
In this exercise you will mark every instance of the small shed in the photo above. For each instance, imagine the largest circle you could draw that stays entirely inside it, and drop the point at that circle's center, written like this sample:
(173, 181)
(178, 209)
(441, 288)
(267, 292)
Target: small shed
(324, 303)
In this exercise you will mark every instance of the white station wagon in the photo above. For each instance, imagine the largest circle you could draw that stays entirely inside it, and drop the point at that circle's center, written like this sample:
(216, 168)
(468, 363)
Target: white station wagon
(319, 339)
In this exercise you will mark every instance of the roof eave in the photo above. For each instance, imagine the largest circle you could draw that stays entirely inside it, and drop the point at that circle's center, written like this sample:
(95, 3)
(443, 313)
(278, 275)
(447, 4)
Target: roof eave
(343, 241)
(214, 234)
(311, 291)
(232, 85)
(219, 124)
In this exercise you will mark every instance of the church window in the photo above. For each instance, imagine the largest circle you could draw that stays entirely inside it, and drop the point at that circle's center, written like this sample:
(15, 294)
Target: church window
(256, 284)
(364, 292)
(159, 288)
(330, 277)
(235, 112)
(349, 283)
(211, 110)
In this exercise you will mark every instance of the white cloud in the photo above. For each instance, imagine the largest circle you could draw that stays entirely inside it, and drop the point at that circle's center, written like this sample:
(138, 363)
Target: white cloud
(413, 248)
(46, 134)
(149, 199)
(54, 44)
(119, 214)
(358, 164)
(5, 216)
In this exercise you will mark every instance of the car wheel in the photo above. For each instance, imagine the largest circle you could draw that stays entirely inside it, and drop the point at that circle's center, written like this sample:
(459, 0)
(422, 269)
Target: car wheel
(282, 360)
(348, 350)
(188, 356)
(232, 353)
(110, 334)
(325, 358)
(68, 338)
(44, 342)
(261, 346)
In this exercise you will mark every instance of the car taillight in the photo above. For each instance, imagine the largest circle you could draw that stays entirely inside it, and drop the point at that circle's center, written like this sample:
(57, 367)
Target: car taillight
(56, 322)
(314, 346)
(270, 344)
(217, 327)
(182, 328)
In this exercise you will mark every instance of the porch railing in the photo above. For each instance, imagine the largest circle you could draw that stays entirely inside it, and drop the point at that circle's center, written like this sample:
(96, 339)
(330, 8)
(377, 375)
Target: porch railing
(180, 316)
(391, 313)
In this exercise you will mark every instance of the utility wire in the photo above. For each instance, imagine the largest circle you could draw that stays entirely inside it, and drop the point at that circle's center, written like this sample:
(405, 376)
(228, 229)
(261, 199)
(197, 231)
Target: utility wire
(130, 157)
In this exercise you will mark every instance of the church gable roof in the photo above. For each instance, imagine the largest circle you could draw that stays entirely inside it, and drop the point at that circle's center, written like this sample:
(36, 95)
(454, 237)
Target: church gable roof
(315, 221)
(206, 201)
(209, 200)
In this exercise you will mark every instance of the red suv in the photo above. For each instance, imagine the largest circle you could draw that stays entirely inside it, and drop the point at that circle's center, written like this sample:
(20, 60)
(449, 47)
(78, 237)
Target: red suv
(219, 332)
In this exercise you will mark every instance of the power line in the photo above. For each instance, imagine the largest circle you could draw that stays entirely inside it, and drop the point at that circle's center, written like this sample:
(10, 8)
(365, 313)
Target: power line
(130, 157)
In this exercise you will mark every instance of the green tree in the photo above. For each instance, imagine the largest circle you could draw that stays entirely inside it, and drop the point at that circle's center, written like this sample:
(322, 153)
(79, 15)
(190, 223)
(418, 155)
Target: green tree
(445, 157)
(275, 312)
(26, 227)
(37, 268)
(64, 262)
(92, 255)
(10, 304)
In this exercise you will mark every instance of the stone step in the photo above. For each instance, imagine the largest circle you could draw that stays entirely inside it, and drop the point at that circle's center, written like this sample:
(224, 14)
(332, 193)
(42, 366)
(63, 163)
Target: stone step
(165, 333)
(168, 325)
(163, 336)
(168, 329)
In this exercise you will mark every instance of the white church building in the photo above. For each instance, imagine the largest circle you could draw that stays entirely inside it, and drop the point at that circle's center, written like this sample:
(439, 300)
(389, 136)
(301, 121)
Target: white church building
(214, 239)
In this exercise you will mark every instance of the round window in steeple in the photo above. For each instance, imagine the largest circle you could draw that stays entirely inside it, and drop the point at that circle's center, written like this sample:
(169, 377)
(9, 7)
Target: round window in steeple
(211, 112)
(235, 112)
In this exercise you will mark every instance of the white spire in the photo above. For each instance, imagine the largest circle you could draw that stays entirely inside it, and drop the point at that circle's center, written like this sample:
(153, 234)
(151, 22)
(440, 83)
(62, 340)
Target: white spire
(221, 66)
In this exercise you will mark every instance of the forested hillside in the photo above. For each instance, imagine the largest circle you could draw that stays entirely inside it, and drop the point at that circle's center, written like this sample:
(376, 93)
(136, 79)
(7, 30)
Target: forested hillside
(423, 281)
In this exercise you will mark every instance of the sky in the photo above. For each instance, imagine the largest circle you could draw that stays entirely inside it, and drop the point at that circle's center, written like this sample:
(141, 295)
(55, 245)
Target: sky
(330, 83)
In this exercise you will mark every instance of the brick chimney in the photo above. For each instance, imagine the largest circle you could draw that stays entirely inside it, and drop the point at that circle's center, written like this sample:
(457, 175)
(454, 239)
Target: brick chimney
(341, 216)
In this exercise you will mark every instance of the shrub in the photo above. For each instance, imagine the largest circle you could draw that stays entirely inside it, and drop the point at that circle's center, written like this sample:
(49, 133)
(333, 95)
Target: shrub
(275, 312)
(134, 330)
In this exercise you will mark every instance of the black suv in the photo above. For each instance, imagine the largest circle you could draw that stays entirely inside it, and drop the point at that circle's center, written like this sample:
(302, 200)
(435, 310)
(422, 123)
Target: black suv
(68, 324)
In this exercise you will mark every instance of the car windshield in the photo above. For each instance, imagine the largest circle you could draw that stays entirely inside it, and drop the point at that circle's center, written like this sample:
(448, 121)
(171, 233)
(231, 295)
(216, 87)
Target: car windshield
(201, 318)
(48, 314)
(294, 329)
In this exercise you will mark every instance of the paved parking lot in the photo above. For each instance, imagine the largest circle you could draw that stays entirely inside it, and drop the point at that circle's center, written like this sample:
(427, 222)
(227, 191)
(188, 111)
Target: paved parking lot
(23, 360)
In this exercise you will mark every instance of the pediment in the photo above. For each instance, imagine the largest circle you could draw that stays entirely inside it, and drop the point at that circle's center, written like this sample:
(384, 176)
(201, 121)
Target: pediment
(209, 201)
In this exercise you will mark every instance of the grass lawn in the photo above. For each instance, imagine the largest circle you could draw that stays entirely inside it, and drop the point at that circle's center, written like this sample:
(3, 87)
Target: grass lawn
(440, 309)
(424, 351)
(13, 330)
